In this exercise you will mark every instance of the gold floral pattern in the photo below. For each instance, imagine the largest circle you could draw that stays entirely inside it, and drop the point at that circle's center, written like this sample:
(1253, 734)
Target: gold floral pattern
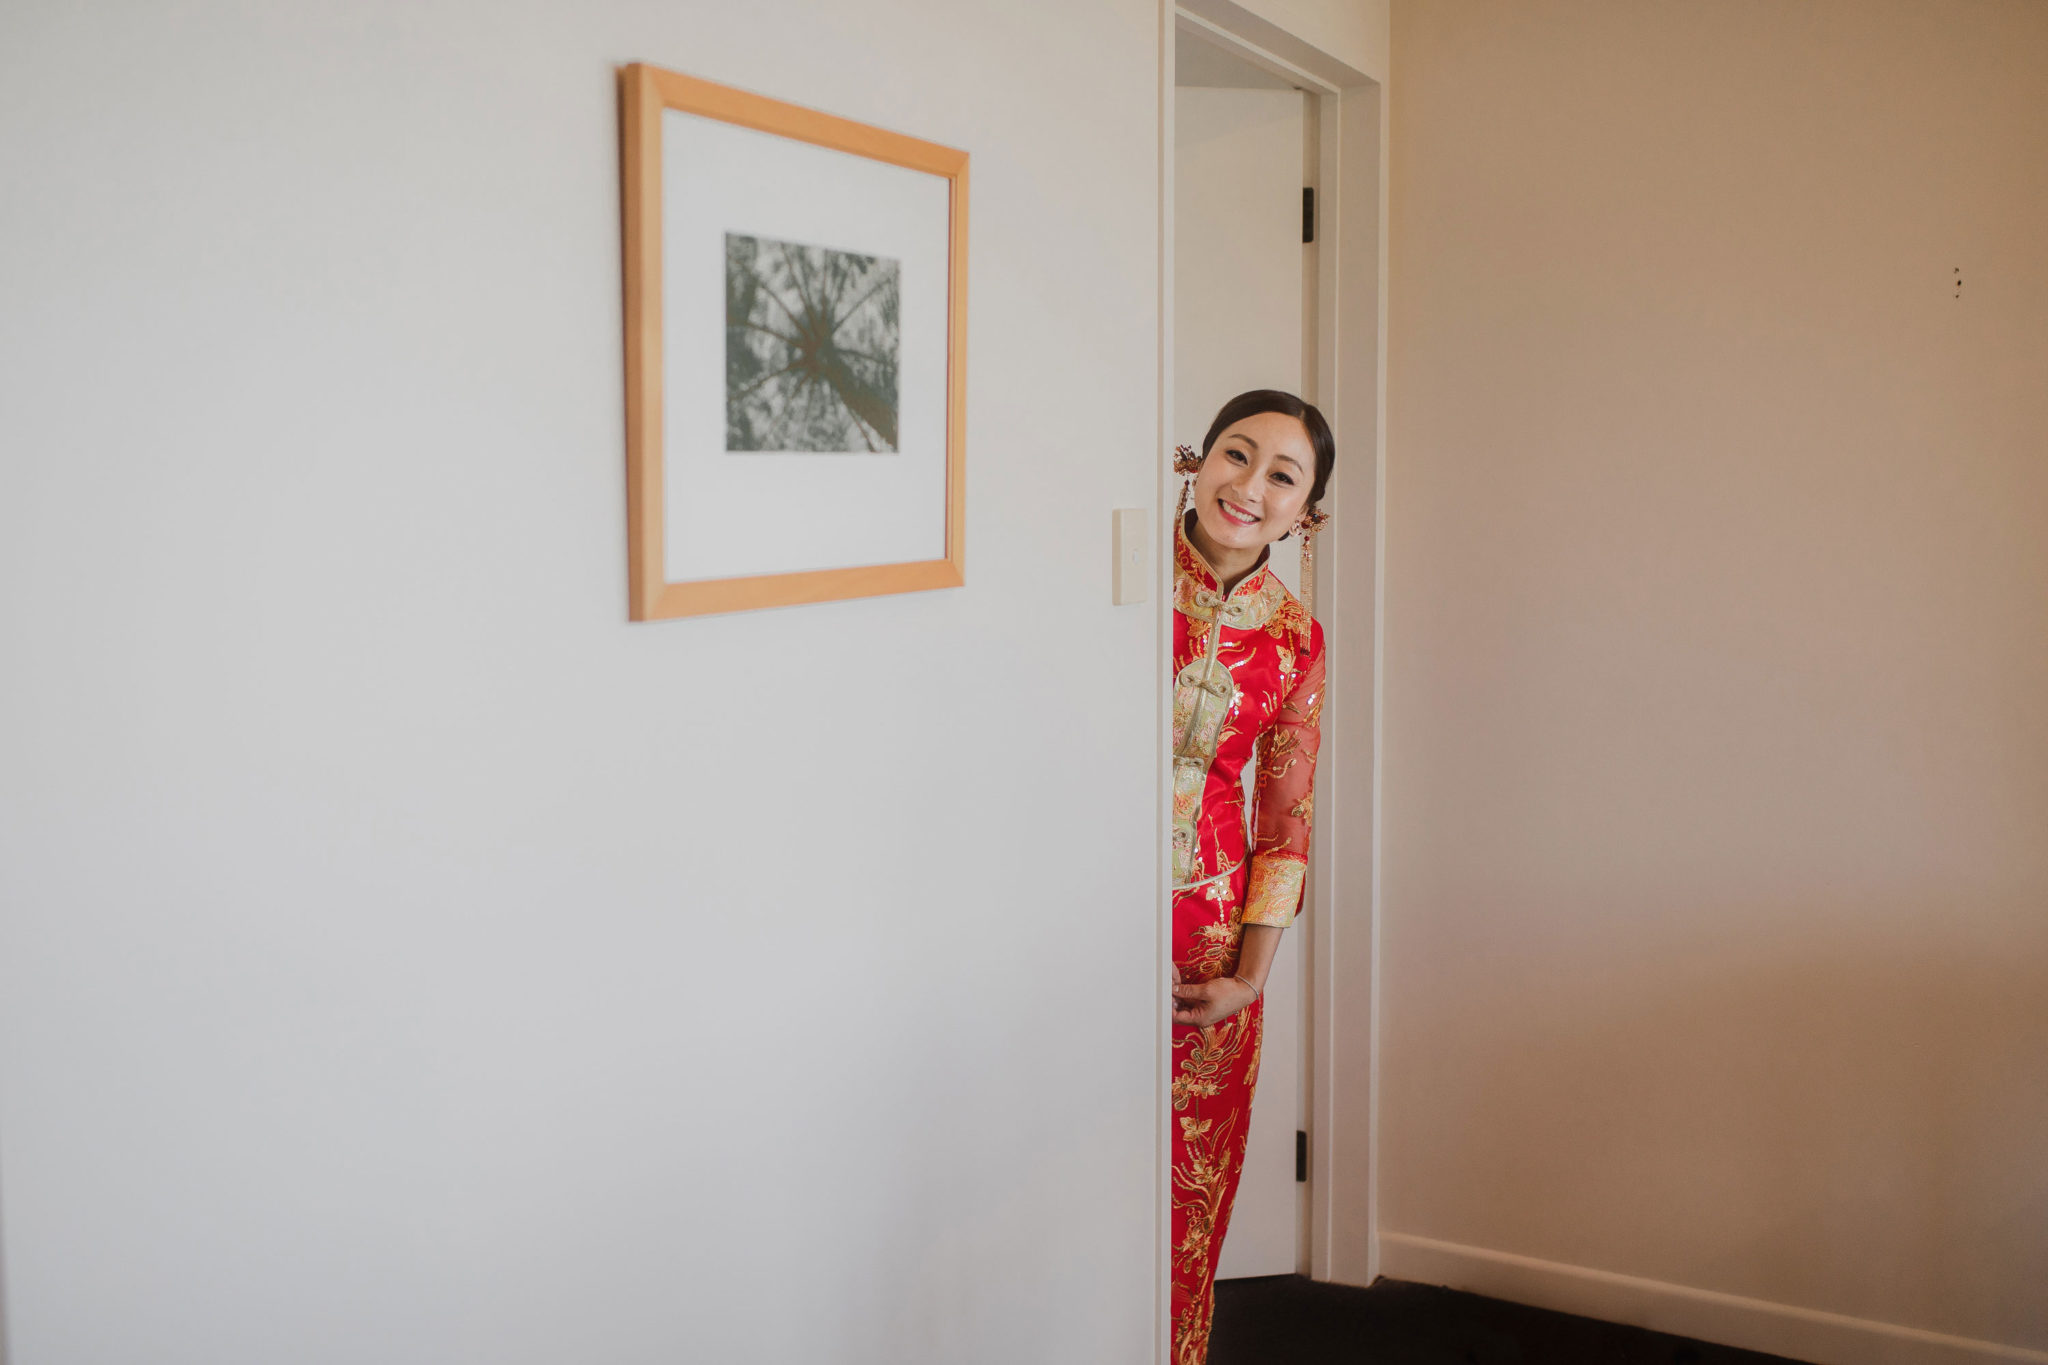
(1200, 1072)
(1209, 1153)
(1275, 890)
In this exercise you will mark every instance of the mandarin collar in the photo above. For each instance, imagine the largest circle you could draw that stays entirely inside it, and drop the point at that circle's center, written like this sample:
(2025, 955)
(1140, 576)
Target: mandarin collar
(1193, 563)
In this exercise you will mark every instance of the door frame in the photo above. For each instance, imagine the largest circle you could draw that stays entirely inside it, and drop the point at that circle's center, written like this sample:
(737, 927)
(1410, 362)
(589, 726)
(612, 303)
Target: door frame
(1348, 111)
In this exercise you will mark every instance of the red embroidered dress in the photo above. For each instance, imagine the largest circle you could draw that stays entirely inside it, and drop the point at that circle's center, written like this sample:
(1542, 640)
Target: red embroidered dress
(1248, 689)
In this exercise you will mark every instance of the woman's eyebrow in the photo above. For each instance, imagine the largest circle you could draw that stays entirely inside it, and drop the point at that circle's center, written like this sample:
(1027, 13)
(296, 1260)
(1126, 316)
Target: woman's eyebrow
(1246, 440)
(1290, 459)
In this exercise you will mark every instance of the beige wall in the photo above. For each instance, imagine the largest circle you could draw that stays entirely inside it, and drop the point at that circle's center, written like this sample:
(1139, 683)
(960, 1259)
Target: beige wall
(1716, 706)
(403, 959)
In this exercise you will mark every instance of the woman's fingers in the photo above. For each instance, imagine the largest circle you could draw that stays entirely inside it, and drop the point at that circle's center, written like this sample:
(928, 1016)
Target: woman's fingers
(1196, 1004)
(1202, 1003)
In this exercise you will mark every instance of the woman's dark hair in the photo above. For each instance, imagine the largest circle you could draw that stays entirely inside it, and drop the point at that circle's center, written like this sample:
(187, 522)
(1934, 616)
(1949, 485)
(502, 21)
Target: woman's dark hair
(1275, 400)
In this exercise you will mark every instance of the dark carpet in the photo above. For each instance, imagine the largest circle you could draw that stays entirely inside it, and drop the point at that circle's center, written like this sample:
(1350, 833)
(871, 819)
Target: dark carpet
(1288, 1320)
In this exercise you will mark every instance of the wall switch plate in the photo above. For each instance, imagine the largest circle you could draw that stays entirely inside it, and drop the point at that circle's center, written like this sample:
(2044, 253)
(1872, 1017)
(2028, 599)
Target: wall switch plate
(1130, 541)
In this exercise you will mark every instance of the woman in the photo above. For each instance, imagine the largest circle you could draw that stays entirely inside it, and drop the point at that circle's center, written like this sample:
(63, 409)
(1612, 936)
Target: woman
(1248, 671)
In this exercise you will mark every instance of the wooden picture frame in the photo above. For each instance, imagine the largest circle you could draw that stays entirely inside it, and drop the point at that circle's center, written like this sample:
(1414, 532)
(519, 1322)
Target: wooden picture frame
(658, 588)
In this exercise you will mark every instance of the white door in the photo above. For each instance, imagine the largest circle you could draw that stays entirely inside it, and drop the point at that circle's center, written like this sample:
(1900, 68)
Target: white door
(1237, 244)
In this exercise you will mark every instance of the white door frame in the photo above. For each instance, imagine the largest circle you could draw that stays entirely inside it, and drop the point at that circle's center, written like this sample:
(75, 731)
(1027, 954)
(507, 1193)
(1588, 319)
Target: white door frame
(1349, 110)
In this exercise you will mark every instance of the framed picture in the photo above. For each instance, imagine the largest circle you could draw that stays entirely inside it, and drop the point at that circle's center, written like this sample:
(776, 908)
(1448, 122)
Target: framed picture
(796, 323)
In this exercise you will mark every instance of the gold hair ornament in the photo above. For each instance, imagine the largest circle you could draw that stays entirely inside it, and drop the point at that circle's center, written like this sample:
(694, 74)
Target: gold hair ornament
(1313, 519)
(1185, 463)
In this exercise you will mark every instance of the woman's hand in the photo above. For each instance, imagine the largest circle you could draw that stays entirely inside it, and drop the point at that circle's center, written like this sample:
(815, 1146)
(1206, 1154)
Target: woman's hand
(1199, 1004)
(1202, 1003)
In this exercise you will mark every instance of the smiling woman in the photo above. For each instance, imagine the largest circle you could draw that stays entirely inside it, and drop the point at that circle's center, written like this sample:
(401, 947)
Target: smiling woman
(1247, 689)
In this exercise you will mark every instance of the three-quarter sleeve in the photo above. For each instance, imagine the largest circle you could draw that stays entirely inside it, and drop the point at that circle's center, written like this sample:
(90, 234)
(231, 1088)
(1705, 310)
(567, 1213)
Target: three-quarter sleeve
(1283, 799)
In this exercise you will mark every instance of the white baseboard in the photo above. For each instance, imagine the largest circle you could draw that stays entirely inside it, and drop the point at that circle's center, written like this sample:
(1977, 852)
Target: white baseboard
(1729, 1319)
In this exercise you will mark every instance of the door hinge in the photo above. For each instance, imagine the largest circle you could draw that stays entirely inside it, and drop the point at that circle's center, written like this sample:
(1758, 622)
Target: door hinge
(1308, 214)
(1300, 1156)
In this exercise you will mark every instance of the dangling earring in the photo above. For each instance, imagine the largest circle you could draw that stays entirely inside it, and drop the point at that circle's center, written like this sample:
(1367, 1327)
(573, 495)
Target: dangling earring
(1185, 463)
(1313, 519)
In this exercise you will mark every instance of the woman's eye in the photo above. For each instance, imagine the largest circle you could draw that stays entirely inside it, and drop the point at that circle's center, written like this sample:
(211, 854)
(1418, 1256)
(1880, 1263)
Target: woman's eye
(1287, 479)
(1236, 456)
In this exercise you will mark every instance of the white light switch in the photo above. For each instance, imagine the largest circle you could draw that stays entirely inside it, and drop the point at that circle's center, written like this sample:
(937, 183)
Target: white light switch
(1130, 576)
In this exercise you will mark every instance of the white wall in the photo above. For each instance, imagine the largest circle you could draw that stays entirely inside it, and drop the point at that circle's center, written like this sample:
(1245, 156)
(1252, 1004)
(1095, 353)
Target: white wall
(402, 958)
(1715, 950)
(1354, 32)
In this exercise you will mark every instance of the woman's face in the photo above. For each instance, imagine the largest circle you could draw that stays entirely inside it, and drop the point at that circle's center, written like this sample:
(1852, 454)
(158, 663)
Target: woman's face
(1255, 482)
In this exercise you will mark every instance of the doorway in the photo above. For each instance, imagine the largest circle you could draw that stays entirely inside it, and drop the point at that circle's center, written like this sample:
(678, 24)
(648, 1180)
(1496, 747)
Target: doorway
(1253, 117)
(1244, 160)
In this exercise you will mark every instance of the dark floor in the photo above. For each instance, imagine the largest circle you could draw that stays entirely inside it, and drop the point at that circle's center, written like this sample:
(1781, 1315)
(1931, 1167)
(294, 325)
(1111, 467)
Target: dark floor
(1288, 1320)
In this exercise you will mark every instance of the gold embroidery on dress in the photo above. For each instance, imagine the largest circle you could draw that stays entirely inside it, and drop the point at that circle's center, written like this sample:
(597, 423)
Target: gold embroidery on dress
(1202, 1182)
(1214, 951)
(1203, 694)
(1275, 891)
